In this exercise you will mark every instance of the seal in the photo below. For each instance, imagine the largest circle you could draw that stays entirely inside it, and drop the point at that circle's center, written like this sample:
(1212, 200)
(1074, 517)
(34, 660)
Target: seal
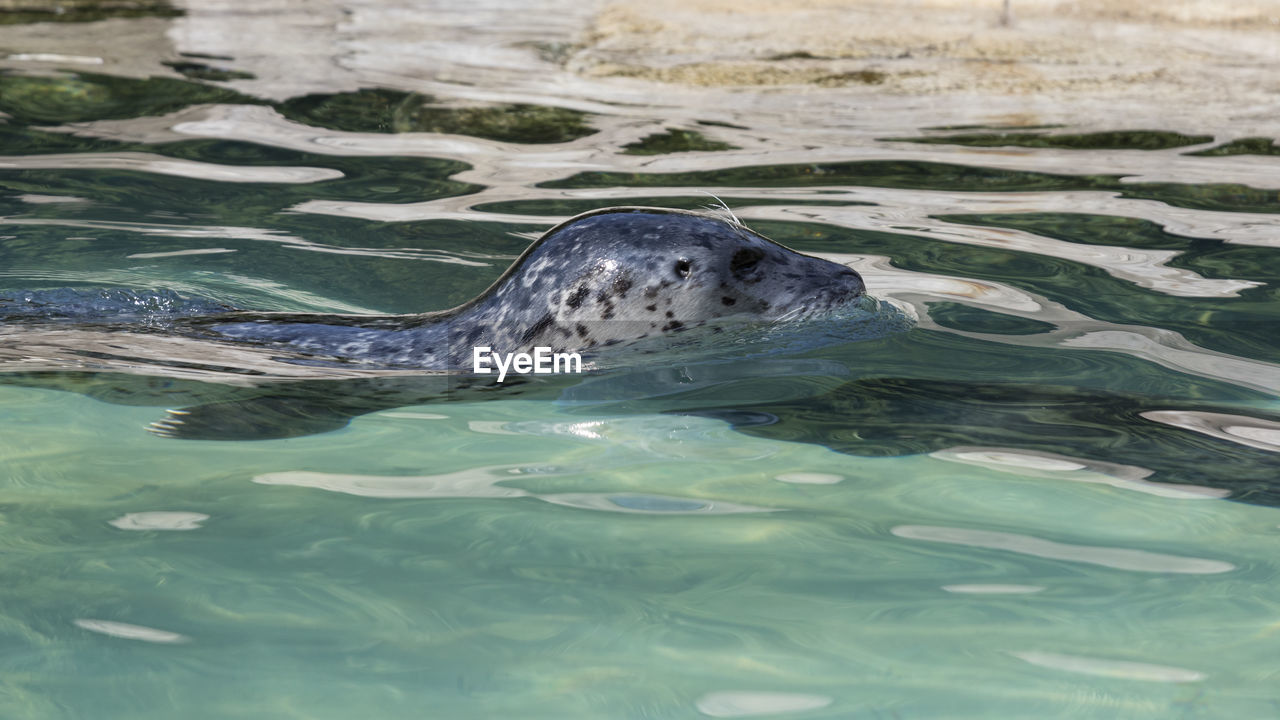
(601, 278)
(604, 278)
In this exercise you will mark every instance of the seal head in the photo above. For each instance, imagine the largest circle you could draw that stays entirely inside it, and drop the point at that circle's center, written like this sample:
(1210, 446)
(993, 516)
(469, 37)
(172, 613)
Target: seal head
(629, 273)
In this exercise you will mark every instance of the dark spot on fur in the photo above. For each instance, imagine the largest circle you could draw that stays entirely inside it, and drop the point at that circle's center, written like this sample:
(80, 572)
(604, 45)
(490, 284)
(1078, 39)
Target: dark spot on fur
(728, 300)
(575, 300)
(621, 285)
(670, 314)
(544, 324)
(673, 325)
(651, 308)
(582, 330)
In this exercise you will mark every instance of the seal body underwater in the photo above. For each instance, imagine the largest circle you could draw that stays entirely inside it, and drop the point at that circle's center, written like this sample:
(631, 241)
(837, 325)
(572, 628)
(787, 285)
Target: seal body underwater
(598, 279)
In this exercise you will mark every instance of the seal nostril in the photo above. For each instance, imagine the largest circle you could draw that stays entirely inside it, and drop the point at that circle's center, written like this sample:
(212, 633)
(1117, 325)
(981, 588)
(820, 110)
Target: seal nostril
(683, 267)
(850, 278)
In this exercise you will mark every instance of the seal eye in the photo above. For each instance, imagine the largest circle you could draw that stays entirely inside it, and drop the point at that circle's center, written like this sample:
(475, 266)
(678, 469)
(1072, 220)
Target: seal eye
(683, 267)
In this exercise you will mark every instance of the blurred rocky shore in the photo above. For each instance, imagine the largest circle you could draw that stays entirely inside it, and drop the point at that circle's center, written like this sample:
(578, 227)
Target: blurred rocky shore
(1189, 65)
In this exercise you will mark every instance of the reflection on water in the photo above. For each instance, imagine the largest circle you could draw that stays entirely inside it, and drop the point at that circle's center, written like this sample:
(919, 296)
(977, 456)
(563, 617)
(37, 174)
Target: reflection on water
(746, 703)
(1123, 559)
(159, 520)
(1254, 432)
(1049, 465)
(1034, 477)
(1111, 668)
(131, 632)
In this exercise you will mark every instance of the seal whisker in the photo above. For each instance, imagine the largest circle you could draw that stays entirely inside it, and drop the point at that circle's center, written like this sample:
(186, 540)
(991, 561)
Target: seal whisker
(722, 206)
(792, 314)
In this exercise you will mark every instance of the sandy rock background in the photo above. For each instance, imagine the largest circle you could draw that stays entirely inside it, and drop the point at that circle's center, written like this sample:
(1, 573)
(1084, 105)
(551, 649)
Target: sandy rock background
(1196, 66)
(929, 46)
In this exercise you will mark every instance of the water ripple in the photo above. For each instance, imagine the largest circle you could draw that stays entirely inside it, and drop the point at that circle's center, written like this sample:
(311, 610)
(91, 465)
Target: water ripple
(159, 520)
(483, 482)
(1242, 429)
(1054, 466)
(993, 589)
(1103, 667)
(750, 703)
(202, 232)
(471, 483)
(649, 504)
(1144, 268)
(1119, 558)
(130, 632)
(893, 208)
(160, 165)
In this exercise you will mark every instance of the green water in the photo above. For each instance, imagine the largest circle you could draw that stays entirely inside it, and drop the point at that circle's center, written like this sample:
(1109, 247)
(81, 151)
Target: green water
(388, 595)
(1055, 496)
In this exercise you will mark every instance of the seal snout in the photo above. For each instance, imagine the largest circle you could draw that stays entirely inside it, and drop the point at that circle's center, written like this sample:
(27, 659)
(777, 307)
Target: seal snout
(836, 278)
(841, 286)
(850, 282)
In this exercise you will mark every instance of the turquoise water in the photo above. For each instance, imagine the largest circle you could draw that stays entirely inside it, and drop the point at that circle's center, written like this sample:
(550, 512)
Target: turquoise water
(1054, 495)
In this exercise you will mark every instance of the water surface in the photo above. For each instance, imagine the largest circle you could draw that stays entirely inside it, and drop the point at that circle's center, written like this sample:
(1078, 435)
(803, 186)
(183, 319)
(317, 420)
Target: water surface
(1054, 495)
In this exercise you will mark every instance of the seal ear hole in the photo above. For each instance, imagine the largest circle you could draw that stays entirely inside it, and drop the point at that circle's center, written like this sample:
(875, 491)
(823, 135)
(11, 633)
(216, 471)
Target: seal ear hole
(744, 261)
(683, 267)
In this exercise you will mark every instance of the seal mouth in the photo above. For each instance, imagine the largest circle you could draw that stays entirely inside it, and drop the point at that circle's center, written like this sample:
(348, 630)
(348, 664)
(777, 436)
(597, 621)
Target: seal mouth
(844, 289)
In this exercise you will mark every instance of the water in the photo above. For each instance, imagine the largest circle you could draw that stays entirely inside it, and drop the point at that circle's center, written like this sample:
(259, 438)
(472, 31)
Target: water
(1055, 495)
